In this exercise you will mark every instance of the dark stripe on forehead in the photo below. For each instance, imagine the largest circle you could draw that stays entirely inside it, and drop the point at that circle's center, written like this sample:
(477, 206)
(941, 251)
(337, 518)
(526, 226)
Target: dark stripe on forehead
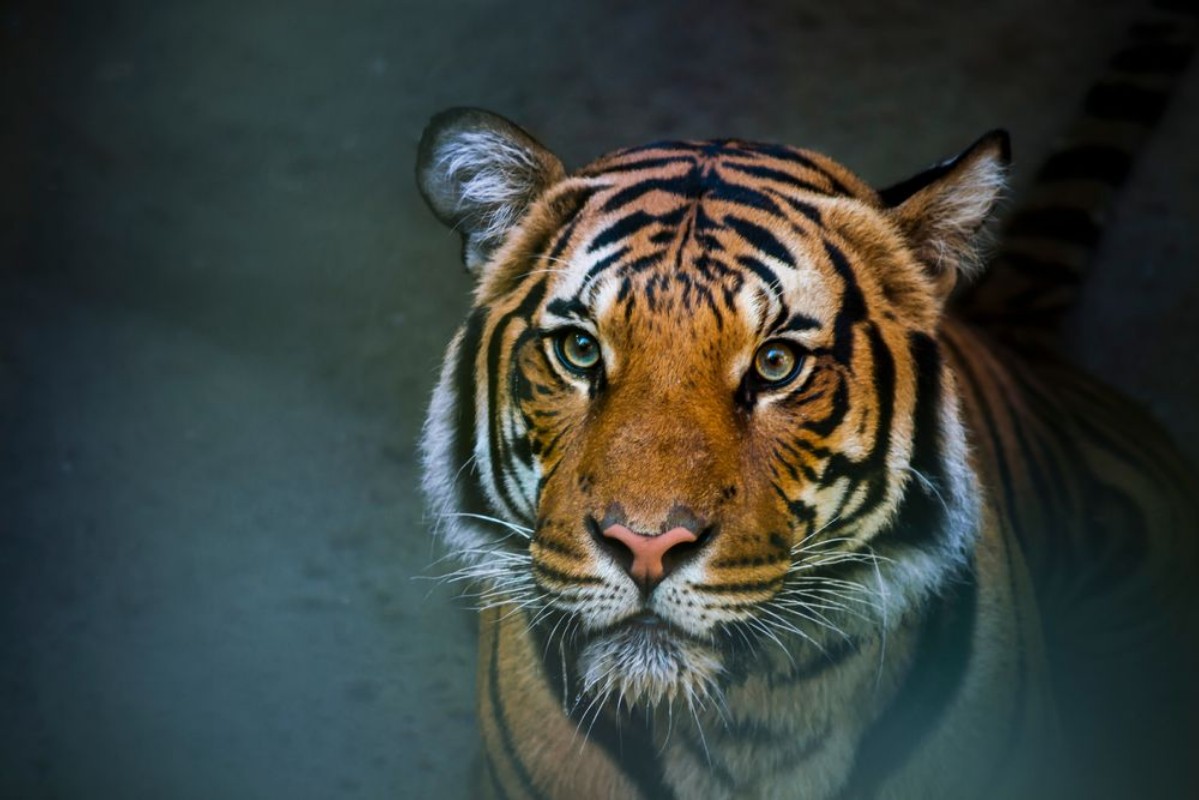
(776, 175)
(562, 239)
(726, 192)
(681, 186)
(569, 206)
(789, 155)
(760, 239)
(765, 273)
(853, 306)
(604, 263)
(622, 228)
(644, 163)
(807, 209)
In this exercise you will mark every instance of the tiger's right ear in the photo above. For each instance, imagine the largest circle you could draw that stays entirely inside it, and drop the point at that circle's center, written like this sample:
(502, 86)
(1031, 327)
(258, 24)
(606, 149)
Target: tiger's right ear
(479, 173)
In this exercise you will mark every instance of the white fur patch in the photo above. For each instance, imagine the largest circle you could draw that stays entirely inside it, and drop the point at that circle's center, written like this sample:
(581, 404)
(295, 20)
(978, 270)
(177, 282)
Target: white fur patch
(493, 176)
(641, 665)
(959, 215)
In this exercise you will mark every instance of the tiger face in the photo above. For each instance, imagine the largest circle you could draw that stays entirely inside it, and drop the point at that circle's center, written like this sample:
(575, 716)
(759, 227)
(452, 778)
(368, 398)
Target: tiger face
(699, 399)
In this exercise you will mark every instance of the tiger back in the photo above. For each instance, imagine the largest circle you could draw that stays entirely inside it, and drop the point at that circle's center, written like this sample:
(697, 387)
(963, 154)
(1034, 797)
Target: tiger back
(756, 513)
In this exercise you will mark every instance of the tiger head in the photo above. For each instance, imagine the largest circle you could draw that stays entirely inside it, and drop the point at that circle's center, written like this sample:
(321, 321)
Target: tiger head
(698, 421)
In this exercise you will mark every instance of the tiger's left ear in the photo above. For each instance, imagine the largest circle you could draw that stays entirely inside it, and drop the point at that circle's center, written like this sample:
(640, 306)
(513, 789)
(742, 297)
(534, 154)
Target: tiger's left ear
(479, 173)
(942, 209)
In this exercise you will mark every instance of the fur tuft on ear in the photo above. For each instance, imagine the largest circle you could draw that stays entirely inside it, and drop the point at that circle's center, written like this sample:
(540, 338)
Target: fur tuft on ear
(943, 209)
(479, 173)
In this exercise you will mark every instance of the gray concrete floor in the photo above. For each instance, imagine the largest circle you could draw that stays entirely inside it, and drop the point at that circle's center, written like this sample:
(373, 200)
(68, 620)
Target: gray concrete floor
(223, 304)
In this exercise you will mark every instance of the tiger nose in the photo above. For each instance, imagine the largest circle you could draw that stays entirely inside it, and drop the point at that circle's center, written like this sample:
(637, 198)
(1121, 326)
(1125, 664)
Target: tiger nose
(648, 566)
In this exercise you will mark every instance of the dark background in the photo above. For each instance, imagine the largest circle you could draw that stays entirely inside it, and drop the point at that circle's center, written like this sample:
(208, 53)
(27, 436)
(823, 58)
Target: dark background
(222, 304)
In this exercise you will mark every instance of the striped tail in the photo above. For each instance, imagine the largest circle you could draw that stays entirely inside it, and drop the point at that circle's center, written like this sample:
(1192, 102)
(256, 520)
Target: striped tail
(1048, 243)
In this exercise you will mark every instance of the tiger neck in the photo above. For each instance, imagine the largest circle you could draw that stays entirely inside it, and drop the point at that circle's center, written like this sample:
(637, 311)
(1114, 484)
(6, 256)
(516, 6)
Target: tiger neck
(832, 723)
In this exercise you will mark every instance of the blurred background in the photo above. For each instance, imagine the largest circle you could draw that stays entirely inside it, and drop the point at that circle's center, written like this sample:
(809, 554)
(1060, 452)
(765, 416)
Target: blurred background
(222, 305)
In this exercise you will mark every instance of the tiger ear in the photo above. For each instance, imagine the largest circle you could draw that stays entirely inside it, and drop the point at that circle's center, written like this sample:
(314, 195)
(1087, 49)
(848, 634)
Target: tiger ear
(942, 209)
(479, 173)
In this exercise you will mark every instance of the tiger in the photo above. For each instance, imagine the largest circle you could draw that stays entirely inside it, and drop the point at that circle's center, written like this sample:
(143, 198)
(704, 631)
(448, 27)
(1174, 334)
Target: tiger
(772, 490)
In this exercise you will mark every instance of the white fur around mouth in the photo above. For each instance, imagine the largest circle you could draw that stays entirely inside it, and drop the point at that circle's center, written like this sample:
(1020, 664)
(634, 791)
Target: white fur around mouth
(642, 664)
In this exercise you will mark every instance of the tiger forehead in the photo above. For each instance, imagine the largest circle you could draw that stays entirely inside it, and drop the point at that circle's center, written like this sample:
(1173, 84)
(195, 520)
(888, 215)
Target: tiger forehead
(708, 228)
(753, 162)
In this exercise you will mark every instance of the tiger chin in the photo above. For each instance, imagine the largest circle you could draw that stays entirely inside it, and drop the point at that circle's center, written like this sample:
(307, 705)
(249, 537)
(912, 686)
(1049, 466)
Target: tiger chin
(727, 471)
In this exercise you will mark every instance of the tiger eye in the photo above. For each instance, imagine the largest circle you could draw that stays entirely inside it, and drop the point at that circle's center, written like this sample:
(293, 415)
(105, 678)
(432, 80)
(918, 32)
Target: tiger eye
(776, 362)
(578, 350)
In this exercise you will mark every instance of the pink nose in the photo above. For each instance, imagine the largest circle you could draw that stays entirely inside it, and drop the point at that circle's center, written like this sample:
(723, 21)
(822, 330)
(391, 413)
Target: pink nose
(647, 567)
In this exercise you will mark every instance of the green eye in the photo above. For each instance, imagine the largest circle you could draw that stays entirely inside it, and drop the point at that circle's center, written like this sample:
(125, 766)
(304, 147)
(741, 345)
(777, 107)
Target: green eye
(577, 350)
(776, 363)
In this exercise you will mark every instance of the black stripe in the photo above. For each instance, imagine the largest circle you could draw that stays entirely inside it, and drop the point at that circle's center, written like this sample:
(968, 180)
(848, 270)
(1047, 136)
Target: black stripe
(489, 775)
(564, 577)
(1087, 162)
(764, 272)
(840, 405)
(681, 186)
(1048, 485)
(932, 682)
(749, 561)
(629, 742)
(734, 588)
(1063, 223)
(795, 449)
(798, 509)
(500, 718)
(872, 469)
(807, 209)
(634, 166)
(777, 175)
(622, 228)
(567, 308)
(701, 753)
(576, 202)
(602, 265)
(788, 751)
(920, 520)
(830, 658)
(973, 383)
(800, 322)
(558, 548)
(852, 309)
(466, 412)
(1126, 103)
(760, 239)
(741, 195)
(783, 153)
(519, 387)
(495, 351)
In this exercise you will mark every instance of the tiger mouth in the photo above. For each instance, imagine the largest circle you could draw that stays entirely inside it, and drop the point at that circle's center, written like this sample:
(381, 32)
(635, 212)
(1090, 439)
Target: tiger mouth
(650, 623)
